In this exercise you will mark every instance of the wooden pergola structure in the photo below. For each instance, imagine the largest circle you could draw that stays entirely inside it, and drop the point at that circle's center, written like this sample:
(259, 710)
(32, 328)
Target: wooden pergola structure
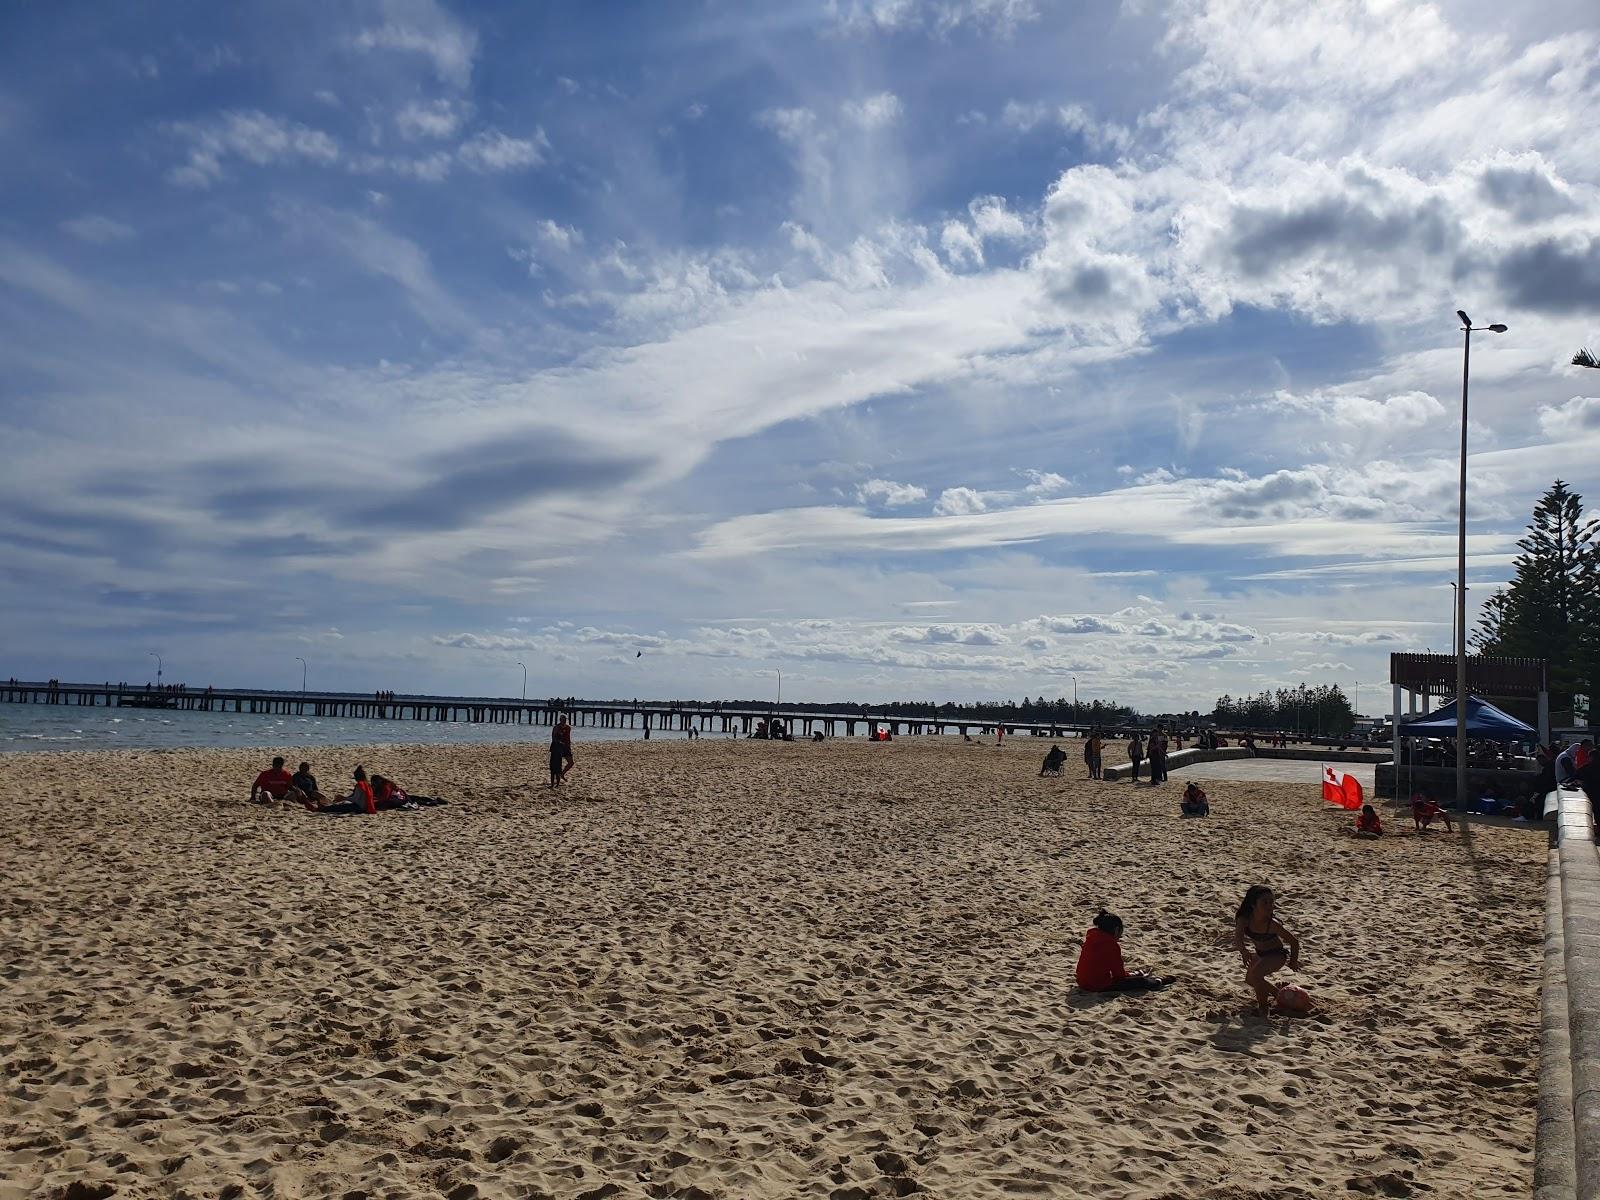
(1429, 676)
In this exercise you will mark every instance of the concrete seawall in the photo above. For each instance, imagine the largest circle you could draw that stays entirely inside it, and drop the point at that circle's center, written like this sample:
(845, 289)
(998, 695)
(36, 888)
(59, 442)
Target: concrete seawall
(1177, 758)
(1567, 1146)
(1187, 758)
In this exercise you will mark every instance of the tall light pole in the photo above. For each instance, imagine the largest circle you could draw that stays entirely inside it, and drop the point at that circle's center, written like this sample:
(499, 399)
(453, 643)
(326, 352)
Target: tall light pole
(302, 663)
(1467, 330)
(779, 670)
(157, 657)
(1075, 700)
(524, 680)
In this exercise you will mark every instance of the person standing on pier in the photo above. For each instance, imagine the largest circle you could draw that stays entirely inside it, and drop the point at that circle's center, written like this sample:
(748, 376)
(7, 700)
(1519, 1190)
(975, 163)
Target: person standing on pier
(560, 751)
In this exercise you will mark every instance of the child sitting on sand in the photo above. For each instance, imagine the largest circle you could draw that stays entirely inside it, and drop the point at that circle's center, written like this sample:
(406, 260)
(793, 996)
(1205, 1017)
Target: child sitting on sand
(1195, 803)
(1425, 811)
(1255, 923)
(1367, 823)
(1100, 966)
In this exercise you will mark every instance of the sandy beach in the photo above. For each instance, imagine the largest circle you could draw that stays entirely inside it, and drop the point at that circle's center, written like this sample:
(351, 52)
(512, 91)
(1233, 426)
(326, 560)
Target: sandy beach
(738, 969)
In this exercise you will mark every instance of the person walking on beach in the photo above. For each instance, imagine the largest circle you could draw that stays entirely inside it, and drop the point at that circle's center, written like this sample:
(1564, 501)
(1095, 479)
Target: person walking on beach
(1135, 753)
(1096, 750)
(1260, 938)
(560, 751)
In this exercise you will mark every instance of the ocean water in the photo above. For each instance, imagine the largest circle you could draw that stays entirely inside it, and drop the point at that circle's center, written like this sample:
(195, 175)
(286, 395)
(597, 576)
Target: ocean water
(25, 727)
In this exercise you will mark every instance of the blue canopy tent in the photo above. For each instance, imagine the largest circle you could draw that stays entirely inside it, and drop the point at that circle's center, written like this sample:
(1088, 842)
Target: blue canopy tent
(1484, 720)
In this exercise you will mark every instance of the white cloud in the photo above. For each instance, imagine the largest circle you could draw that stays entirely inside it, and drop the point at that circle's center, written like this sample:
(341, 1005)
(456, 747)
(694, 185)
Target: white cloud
(890, 494)
(1577, 416)
(424, 28)
(492, 150)
(97, 230)
(874, 112)
(1390, 415)
(961, 245)
(430, 119)
(558, 236)
(252, 136)
(937, 16)
(1376, 510)
(993, 221)
(1044, 483)
(989, 220)
(958, 501)
(1098, 136)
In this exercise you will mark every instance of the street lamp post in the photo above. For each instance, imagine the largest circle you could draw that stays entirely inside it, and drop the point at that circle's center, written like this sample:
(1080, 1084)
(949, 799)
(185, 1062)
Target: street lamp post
(779, 670)
(1460, 647)
(1075, 720)
(524, 680)
(302, 663)
(157, 657)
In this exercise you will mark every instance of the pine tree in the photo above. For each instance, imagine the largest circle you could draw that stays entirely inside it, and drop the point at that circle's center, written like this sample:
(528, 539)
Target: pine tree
(1550, 608)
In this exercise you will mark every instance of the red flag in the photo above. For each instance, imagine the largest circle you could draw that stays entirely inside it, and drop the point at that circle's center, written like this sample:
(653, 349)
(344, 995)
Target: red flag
(1341, 788)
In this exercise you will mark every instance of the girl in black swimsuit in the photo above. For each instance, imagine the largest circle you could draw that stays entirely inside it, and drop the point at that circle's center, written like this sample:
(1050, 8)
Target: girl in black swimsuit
(1267, 937)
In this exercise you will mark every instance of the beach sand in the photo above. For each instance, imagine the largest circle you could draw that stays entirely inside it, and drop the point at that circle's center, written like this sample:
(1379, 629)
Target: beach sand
(724, 969)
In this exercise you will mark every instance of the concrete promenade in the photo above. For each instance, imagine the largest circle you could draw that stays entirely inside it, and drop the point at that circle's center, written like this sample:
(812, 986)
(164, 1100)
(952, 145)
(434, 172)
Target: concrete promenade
(1567, 1147)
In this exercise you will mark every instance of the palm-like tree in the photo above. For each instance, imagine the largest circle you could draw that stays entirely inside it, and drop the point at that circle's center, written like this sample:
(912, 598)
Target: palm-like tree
(1585, 358)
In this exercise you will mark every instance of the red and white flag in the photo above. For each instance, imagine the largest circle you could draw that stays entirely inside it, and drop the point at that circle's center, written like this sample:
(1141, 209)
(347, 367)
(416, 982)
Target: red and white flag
(1341, 788)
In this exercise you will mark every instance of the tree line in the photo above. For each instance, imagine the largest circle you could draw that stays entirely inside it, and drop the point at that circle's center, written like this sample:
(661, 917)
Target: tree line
(1317, 710)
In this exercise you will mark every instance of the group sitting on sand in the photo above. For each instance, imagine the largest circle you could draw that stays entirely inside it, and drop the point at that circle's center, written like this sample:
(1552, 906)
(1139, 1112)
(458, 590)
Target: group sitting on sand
(1264, 943)
(379, 794)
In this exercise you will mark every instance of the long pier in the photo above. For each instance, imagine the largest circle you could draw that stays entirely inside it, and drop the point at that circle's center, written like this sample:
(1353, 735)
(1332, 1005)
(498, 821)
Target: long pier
(710, 718)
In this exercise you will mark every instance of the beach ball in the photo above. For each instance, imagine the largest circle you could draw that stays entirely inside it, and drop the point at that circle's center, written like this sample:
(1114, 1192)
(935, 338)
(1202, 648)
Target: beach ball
(1294, 998)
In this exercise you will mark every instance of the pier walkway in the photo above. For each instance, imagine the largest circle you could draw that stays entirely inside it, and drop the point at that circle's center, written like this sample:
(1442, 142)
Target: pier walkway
(707, 718)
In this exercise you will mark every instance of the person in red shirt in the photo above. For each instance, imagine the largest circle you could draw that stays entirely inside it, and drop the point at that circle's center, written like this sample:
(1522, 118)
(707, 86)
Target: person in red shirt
(1367, 822)
(275, 784)
(360, 799)
(389, 794)
(1100, 967)
(1425, 811)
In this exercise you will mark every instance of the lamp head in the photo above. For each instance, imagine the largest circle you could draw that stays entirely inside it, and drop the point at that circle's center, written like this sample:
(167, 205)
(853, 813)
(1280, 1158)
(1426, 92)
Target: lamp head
(1497, 328)
(1465, 320)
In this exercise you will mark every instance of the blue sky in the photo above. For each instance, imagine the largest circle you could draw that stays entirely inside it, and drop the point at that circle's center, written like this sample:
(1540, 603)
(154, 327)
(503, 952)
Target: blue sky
(916, 348)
